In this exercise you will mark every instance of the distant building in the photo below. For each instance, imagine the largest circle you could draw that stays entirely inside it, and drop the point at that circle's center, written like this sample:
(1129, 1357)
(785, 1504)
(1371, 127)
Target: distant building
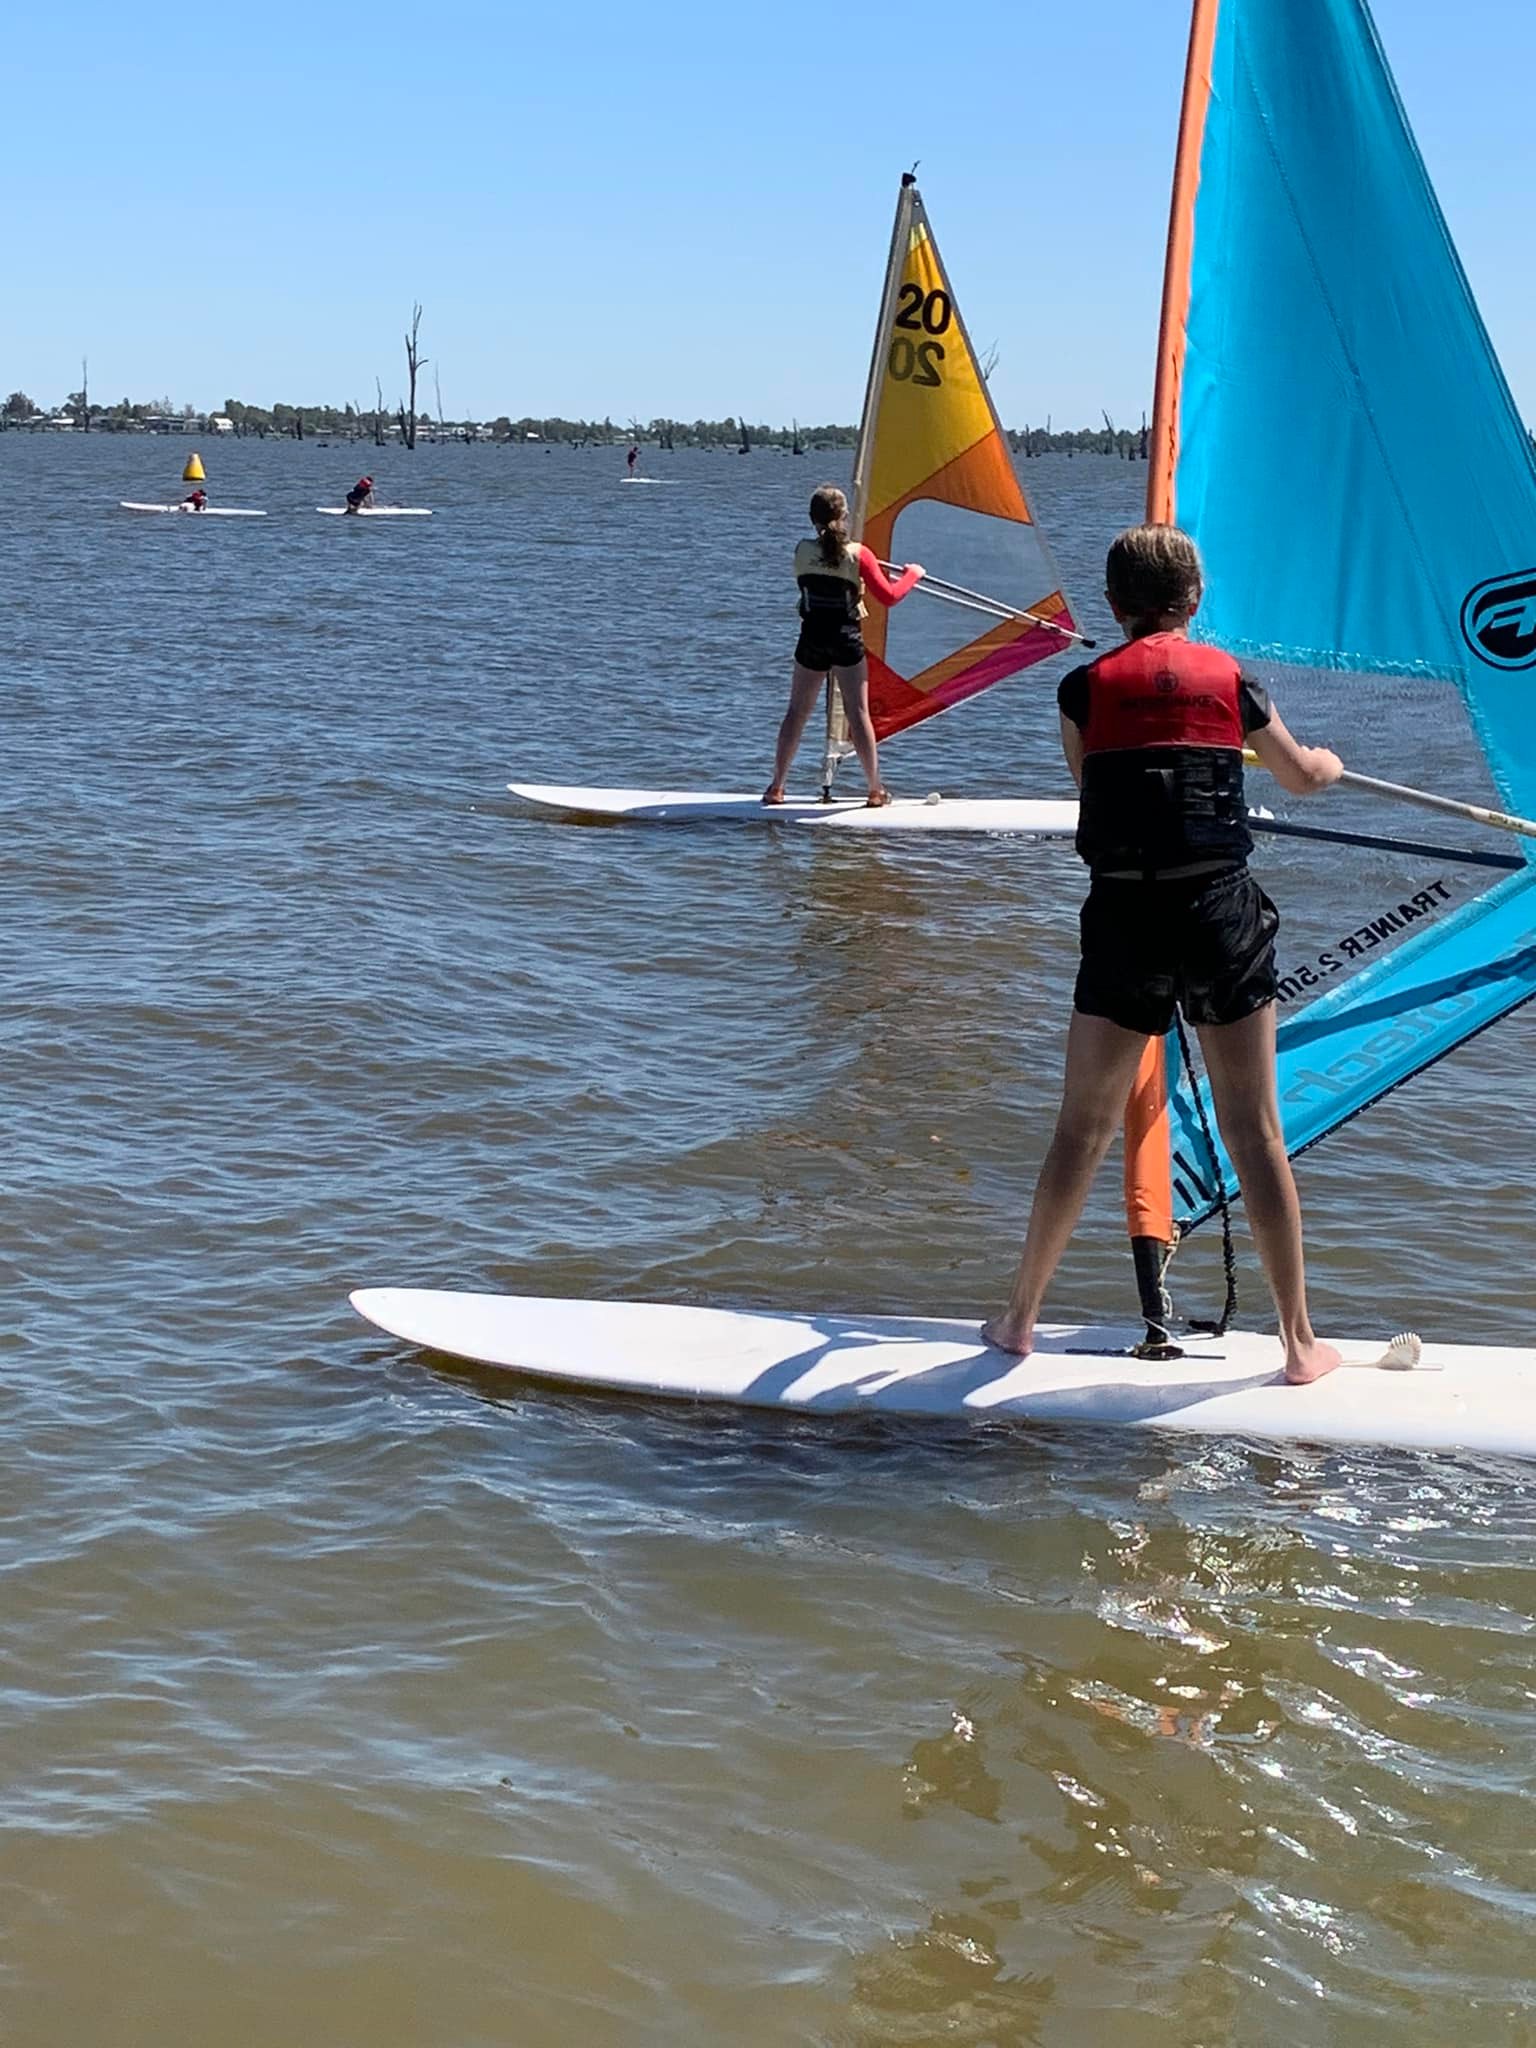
(220, 423)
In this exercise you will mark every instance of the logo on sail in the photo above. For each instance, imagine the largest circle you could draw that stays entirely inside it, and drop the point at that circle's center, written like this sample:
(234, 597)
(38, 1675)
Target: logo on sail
(1498, 620)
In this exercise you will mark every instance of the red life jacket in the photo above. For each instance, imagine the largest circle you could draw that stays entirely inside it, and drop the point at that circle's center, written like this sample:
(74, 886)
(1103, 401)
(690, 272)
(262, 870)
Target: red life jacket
(1163, 691)
(1163, 759)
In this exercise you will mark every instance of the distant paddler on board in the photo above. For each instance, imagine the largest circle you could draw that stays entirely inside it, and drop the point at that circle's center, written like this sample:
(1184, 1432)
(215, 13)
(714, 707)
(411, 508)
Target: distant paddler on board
(359, 503)
(196, 499)
(833, 573)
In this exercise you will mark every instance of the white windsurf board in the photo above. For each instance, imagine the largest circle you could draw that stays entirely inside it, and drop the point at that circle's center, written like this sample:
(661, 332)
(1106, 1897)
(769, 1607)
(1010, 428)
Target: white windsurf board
(1047, 818)
(1459, 1397)
(208, 511)
(377, 512)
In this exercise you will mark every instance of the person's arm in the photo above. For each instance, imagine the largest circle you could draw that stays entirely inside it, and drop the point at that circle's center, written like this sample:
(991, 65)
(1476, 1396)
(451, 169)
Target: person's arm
(1303, 771)
(1072, 747)
(1072, 708)
(878, 584)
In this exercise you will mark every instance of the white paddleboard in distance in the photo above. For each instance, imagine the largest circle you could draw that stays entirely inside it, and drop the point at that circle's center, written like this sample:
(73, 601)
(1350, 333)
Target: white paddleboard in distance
(208, 511)
(1042, 818)
(377, 512)
(1460, 1396)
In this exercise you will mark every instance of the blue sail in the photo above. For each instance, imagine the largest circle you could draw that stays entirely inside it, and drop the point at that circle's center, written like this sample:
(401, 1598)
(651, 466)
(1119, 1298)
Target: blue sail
(1350, 458)
(1364, 492)
(1358, 1042)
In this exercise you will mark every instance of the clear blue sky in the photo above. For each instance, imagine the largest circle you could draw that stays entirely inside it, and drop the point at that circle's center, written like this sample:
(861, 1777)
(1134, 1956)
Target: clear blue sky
(677, 209)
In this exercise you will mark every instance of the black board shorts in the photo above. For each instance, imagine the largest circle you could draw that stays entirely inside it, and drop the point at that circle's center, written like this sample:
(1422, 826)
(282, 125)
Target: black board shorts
(819, 648)
(1205, 943)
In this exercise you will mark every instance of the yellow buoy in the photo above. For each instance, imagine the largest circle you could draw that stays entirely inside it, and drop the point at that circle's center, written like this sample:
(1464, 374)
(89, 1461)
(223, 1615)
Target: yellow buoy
(193, 473)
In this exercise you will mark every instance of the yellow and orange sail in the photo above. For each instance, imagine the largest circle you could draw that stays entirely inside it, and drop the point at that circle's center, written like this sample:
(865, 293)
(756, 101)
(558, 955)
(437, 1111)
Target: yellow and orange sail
(930, 434)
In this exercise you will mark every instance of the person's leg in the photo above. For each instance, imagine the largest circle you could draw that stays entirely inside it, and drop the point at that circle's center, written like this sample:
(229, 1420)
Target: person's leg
(804, 689)
(1102, 1059)
(1240, 1060)
(853, 683)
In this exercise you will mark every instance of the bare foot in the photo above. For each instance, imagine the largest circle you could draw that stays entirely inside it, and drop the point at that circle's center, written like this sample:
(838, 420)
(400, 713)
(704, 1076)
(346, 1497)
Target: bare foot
(1010, 1332)
(774, 793)
(1310, 1361)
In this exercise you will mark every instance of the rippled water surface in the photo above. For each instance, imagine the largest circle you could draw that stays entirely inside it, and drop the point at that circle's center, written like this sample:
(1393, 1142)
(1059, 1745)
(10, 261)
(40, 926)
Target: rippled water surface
(350, 1701)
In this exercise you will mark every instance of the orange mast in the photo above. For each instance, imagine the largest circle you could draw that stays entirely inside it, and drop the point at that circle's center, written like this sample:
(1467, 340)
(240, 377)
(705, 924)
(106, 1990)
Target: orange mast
(1174, 320)
(1148, 1156)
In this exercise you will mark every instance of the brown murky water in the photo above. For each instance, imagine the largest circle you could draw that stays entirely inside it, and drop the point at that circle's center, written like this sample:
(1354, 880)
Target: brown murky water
(348, 1701)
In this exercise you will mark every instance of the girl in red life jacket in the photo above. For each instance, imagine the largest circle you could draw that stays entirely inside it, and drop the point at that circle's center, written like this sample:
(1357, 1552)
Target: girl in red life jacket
(1154, 735)
(360, 497)
(833, 574)
(197, 499)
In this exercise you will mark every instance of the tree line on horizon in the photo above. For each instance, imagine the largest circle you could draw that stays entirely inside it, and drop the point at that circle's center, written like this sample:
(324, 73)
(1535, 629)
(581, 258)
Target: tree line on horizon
(381, 422)
(357, 423)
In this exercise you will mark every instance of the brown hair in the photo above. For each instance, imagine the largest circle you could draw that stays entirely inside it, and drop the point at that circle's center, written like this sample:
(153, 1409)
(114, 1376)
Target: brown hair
(829, 516)
(1153, 570)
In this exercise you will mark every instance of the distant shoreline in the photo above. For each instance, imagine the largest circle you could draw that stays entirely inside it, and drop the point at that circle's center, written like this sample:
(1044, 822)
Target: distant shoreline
(348, 424)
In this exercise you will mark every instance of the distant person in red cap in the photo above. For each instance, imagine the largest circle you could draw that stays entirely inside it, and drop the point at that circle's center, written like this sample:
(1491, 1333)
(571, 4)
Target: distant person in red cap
(196, 501)
(361, 494)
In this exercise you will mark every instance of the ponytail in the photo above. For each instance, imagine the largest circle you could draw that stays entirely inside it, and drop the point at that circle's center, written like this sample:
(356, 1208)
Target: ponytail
(829, 516)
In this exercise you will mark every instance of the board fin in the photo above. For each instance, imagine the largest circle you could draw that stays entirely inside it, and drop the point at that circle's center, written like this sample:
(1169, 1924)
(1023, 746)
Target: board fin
(1405, 1353)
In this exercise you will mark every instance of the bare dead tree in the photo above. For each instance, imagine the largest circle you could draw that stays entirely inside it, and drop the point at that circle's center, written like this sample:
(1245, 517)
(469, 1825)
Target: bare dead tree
(414, 363)
(378, 412)
(85, 396)
(988, 363)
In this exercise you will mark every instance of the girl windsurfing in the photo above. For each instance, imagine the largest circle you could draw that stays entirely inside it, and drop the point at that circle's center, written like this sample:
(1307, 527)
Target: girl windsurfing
(833, 573)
